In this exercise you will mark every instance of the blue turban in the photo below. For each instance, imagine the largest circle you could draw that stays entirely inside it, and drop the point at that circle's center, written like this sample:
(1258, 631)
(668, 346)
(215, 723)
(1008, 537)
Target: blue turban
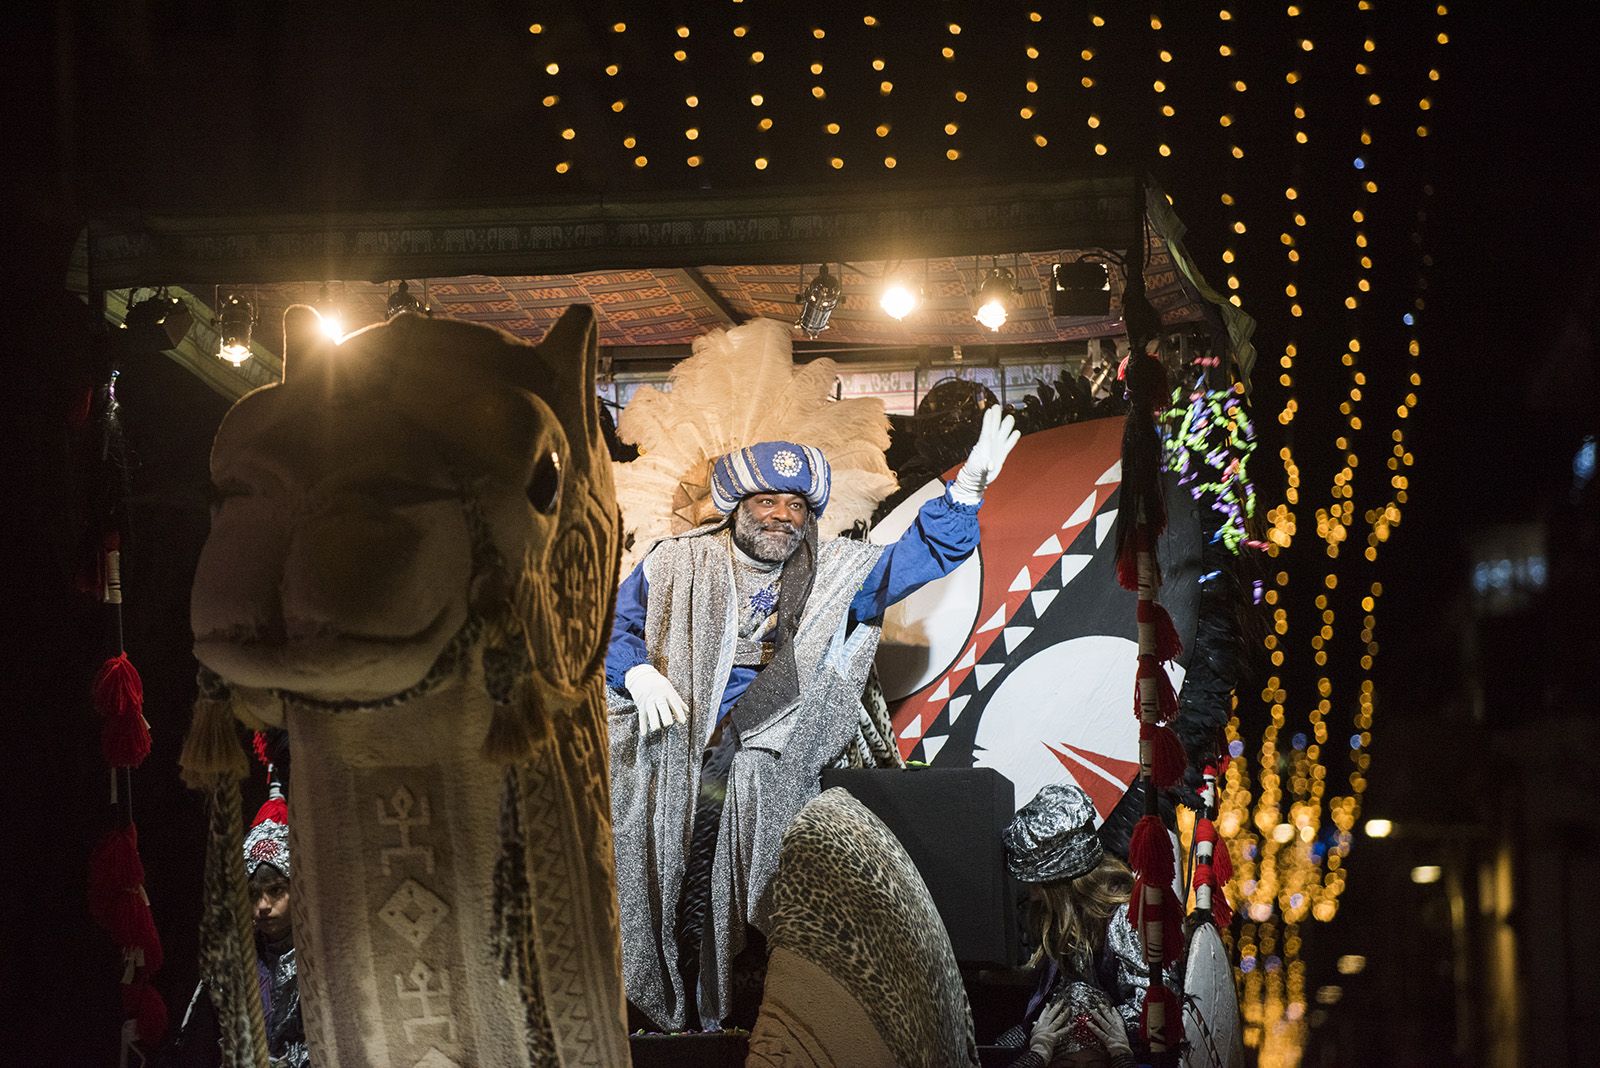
(771, 467)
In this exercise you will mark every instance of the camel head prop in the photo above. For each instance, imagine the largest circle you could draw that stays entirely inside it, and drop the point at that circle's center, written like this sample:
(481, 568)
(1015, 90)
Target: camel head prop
(410, 569)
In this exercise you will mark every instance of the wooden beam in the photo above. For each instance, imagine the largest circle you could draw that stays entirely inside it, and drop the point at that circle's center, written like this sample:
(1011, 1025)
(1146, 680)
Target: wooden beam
(697, 284)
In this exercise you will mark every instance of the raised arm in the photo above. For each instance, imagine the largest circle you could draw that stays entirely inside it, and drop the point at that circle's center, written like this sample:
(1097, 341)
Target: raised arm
(946, 528)
(943, 534)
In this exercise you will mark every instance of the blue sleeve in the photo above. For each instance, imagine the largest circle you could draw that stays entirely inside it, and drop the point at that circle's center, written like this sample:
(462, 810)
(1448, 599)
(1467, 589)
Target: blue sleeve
(627, 633)
(938, 540)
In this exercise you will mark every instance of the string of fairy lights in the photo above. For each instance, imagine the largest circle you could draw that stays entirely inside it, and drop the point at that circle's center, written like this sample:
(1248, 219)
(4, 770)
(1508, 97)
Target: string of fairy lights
(1290, 869)
(1090, 84)
(1291, 800)
(1032, 71)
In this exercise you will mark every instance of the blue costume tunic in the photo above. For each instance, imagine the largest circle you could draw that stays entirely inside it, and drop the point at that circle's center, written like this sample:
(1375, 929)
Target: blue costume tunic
(943, 534)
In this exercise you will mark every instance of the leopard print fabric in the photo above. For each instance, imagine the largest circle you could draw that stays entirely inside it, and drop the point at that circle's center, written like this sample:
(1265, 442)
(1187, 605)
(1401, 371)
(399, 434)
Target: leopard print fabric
(847, 898)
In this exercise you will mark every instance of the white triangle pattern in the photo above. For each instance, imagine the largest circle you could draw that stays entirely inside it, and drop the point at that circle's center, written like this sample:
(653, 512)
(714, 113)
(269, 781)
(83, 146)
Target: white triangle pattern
(1071, 565)
(1102, 526)
(996, 620)
(1051, 547)
(1081, 516)
(1041, 600)
(914, 728)
(1015, 636)
(1112, 474)
(958, 705)
(1023, 581)
(968, 659)
(943, 692)
(932, 745)
(985, 673)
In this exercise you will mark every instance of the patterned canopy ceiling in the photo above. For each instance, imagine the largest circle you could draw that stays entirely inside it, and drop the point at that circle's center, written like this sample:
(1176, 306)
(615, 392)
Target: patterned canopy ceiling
(673, 306)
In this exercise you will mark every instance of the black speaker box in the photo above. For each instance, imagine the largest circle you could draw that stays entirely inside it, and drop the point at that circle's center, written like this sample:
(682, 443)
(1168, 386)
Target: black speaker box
(949, 820)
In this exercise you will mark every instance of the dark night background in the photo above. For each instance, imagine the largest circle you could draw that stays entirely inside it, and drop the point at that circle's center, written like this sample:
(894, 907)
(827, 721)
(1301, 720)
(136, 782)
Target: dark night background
(1486, 726)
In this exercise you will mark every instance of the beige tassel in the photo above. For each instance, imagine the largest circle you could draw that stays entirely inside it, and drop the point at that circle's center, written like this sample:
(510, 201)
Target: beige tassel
(511, 738)
(212, 754)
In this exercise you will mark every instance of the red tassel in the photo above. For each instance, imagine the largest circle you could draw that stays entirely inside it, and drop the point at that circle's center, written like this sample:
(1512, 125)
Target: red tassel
(1168, 1034)
(1168, 645)
(118, 690)
(1167, 759)
(275, 809)
(258, 745)
(1221, 911)
(143, 1004)
(1169, 914)
(1221, 859)
(1128, 569)
(150, 943)
(1222, 862)
(125, 740)
(119, 695)
(1166, 696)
(1150, 850)
(114, 868)
(129, 920)
(1206, 875)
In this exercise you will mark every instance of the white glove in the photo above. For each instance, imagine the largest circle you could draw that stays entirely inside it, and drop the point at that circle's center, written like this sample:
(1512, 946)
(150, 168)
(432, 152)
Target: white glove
(656, 698)
(995, 441)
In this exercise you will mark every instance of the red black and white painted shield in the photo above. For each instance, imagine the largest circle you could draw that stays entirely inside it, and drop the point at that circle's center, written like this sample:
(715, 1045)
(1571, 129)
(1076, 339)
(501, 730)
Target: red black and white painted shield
(1023, 658)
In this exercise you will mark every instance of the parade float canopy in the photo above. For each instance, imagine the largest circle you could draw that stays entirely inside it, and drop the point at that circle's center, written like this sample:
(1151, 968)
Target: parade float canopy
(661, 272)
(679, 169)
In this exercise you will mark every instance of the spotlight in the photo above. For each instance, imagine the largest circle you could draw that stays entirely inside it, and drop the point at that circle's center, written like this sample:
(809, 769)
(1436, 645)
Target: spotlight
(1080, 288)
(900, 299)
(901, 296)
(329, 312)
(403, 300)
(157, 323)
(235, 322)
(994, 297)
(1379, 828)
(817, 303)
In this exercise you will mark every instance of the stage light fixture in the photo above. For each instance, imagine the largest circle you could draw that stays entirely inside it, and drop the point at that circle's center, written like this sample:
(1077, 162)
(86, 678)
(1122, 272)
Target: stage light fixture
(994, 297)
(157, 323)
(901, 298)
(1081, 287)
(817, 302)
(236, 320)
(403, 300)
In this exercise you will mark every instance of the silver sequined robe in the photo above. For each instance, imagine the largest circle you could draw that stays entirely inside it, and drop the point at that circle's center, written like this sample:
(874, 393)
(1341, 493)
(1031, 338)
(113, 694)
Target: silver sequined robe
(690, 631)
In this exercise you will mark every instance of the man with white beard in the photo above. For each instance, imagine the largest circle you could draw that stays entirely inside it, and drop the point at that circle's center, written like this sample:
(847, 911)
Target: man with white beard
(735, 672)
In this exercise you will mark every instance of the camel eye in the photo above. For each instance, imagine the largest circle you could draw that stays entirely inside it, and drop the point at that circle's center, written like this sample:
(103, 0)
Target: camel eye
(544, 488)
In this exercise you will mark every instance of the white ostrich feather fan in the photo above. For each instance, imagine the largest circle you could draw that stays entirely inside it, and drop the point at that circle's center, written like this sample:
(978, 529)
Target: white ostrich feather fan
(740, 387)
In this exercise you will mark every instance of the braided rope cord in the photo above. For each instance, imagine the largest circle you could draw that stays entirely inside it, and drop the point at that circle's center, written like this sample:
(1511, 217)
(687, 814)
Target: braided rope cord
(227, 940)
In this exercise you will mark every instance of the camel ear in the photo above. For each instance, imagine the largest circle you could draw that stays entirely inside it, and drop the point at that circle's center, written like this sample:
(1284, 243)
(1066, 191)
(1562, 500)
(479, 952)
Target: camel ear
(569, 359)
(304, 343)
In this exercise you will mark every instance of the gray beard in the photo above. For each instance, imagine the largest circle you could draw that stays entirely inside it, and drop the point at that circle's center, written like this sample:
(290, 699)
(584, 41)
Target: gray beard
(769, 545)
